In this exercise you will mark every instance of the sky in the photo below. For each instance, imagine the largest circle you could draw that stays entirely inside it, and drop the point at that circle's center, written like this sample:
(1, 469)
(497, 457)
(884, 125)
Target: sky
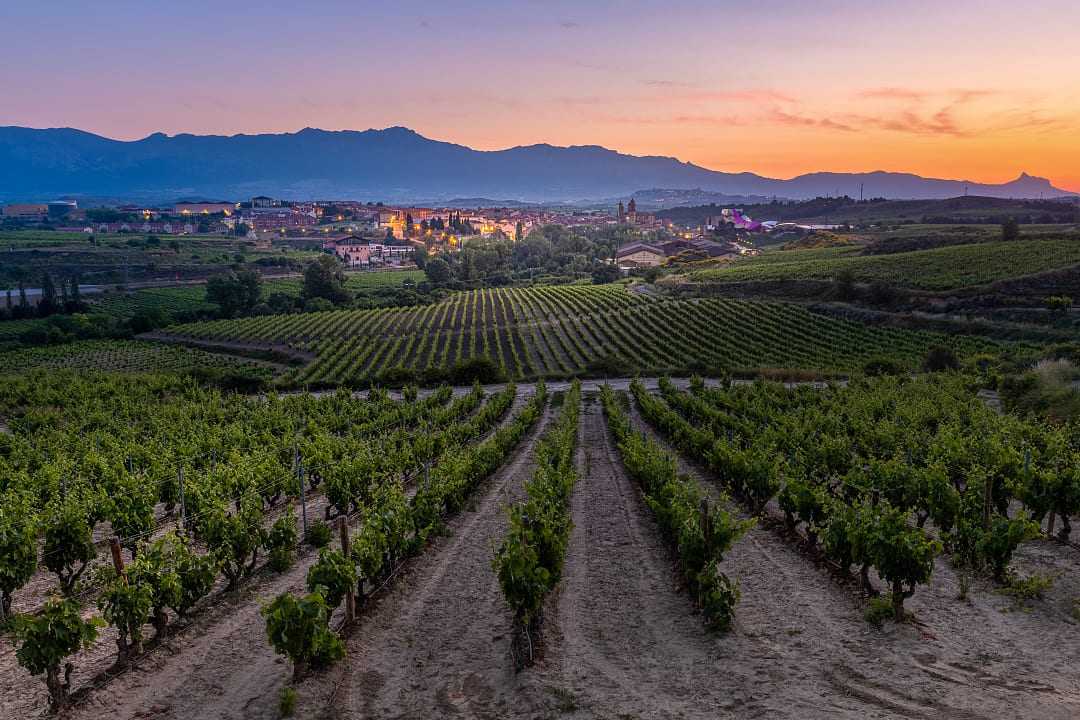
(949, 88)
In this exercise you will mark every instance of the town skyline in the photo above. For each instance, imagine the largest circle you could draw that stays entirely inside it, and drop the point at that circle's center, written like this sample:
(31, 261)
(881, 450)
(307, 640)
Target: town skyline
(940, 90)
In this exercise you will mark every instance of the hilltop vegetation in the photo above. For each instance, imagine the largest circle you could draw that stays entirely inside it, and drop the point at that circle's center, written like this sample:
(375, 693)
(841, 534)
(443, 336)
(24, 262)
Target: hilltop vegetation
(878, 211)
(946, 268)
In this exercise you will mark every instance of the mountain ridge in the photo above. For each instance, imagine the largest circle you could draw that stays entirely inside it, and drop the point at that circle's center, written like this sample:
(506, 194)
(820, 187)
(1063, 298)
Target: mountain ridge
(399, 164)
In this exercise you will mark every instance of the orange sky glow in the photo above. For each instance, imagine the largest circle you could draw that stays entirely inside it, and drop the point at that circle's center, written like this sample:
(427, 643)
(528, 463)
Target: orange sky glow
(961, 89)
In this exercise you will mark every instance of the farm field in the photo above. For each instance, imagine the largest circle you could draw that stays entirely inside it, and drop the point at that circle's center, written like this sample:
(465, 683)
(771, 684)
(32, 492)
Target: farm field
(558, 331)
(947, 268)
(433, 632)
(127, 356)
(192, 298)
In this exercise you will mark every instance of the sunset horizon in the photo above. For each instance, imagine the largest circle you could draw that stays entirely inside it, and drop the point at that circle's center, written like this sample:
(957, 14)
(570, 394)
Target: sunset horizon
(967, 90)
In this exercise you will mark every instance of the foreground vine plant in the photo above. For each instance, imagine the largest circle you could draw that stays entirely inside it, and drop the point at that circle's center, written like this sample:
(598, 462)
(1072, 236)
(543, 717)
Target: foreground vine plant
(529, 562)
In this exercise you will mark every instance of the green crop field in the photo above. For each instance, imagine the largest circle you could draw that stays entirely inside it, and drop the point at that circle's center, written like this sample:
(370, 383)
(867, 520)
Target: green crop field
(944, 268)
(192, 298)
(554, 331)
(114, 355)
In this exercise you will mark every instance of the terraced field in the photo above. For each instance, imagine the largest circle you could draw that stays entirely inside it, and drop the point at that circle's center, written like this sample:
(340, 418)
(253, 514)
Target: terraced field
(557, 331)
(946, 268)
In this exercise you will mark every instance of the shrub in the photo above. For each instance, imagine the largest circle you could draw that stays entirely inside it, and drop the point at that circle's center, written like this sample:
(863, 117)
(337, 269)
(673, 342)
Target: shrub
(69, 545)
(18, 552)
(718, 596)
(287, 702)
(940, 359)
(334, 573)
(319, 534)
(476, 369)
(298, 628)
(281, 541)
(882, 365)
(126, 606)
(879, 610)
(49, 637)
(1010, 229)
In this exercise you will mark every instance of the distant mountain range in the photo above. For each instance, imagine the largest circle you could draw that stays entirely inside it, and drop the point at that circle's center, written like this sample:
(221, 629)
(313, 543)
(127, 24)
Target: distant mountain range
(399, 165)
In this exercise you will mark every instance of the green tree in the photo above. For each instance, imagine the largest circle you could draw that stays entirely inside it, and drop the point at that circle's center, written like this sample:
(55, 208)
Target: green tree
(236, 292)
(603, 273)
(902, 554)
(1010, 229)
(49, 303)
(49, 637)
(281, 541)
(234, 540)
(196, 573)
(156, 569)
(325, 278)
(438, 271)
(420, 257)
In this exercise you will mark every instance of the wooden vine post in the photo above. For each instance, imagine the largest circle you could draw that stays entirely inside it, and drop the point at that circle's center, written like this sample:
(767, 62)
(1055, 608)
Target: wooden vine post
(350, 595)
(706, 527)
(117, 558)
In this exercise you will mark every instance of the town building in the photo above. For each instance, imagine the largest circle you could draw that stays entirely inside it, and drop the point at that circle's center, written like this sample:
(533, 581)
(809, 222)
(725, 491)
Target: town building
(640, 254)
(204, 208)
(26, 211)
(277, 219)
(356, 251)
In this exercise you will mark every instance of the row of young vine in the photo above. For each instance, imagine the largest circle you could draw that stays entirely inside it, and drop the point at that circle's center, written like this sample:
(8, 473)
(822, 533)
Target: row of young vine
(223, 510)
(861, 470)
(700, 533)
(529, 561)
(393, 526)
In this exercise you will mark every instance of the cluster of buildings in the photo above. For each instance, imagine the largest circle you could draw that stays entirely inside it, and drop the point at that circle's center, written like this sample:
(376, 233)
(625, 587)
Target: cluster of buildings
(356, 251)
(629, 215)
(642, 254)
(368, 234)
(40, 212)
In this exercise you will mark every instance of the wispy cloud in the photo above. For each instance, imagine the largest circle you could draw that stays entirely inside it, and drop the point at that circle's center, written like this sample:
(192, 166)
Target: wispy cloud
(569, 24)
(891, 93)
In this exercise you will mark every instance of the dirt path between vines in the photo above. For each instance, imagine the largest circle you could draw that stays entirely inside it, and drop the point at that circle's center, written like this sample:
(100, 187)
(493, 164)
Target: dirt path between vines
(438, 645)
(803, 631)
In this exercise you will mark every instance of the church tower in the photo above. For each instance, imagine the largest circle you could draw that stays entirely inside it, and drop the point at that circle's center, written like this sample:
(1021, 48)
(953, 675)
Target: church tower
(631, 212)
